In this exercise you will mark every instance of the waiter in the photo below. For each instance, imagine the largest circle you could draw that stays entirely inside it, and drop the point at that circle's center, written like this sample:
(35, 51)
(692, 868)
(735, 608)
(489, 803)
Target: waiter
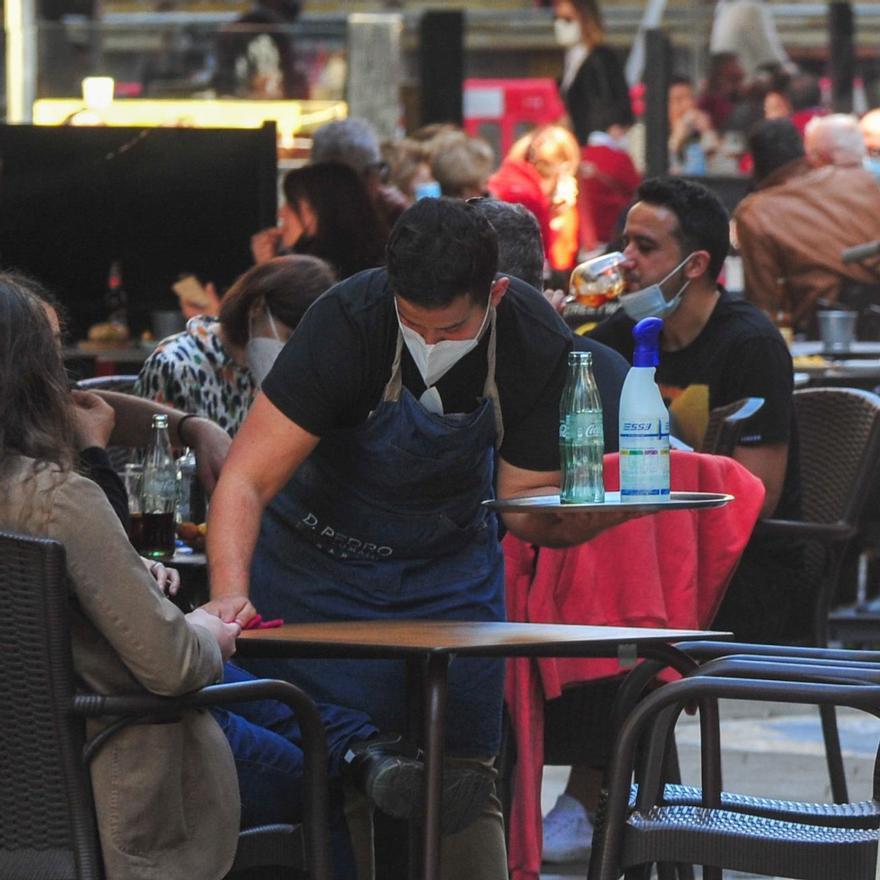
(353, 489)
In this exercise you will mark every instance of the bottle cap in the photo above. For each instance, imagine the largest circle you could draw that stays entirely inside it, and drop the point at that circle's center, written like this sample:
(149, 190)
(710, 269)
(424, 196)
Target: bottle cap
(160, 420)
(580, 357)
(647, 337)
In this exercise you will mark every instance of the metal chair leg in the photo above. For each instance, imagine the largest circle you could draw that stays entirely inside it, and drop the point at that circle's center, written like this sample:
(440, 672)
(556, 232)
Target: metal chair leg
(833, 754)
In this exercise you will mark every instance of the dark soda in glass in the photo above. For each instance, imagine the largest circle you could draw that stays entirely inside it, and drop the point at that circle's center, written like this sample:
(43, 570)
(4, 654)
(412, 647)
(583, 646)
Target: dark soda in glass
(153, 534)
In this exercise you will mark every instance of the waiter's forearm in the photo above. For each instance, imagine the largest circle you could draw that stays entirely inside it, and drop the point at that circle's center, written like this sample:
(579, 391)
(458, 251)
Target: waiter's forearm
(565, 530)
(233, 527)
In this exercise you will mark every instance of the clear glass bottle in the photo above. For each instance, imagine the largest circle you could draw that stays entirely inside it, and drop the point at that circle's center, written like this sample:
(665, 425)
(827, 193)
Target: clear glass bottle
(159, 494)
(581, 437)
(186, 483)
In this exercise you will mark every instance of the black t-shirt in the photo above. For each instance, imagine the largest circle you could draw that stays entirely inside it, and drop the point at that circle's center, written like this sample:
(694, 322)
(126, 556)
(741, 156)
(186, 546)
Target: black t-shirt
(739, 353)
(609, 370)
(333, 371)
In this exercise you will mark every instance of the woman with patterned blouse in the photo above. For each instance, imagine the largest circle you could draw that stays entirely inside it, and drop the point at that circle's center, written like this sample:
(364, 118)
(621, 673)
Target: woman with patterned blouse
(215, 366)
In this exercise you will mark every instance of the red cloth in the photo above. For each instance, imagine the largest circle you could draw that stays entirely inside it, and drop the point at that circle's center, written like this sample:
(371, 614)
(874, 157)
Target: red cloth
(607, 191)
(517, 182)
(666, 570)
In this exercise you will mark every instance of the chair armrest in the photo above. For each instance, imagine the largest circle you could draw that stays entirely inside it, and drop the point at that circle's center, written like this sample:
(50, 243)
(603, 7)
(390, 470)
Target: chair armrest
(768, 668)
(827, 533)
(708, 650)
(131, 707)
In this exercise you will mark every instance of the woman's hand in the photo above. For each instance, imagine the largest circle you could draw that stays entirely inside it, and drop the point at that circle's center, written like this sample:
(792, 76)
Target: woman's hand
(93, 420)
(264, 244)
(168, 579)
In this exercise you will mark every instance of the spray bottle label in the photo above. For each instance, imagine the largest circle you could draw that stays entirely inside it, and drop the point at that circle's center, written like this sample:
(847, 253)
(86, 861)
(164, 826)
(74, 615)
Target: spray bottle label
(644, 459)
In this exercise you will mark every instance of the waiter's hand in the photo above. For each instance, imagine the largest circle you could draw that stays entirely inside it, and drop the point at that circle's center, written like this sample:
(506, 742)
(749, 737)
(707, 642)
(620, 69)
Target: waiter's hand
(231, 609)
(224, 633)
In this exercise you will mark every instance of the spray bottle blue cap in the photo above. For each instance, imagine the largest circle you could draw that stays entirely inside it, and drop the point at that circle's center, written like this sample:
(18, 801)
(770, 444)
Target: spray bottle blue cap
(647, 337)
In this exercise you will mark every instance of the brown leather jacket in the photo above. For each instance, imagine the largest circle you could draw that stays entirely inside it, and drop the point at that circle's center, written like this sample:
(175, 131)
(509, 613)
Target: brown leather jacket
(792, 230)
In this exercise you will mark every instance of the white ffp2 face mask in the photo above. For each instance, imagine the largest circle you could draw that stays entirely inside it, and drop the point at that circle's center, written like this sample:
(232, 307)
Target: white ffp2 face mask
(649, 302)
(260, 352)
(567, 33)
(435, 361)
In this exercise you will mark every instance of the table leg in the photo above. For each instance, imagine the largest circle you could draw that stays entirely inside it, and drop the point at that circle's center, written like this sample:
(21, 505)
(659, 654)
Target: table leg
(436, 673)
(415, 682)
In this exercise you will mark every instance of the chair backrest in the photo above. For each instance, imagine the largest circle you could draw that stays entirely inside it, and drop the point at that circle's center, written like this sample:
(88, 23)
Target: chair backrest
(123, 382)
(726, 424)
(47, 826)
(839, 438)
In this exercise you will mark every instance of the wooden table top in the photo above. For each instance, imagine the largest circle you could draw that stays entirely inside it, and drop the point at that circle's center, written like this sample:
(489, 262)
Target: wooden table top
(409, 637)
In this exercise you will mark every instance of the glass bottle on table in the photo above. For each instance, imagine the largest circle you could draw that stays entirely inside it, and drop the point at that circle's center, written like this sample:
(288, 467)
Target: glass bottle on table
(158, 494)
(581, 437)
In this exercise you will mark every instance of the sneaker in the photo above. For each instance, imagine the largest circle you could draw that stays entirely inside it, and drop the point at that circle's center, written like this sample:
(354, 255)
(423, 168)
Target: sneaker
(568, 832)
(391, 772)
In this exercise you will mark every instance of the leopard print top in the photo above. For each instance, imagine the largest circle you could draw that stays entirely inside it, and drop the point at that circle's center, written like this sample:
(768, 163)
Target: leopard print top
(192, 372)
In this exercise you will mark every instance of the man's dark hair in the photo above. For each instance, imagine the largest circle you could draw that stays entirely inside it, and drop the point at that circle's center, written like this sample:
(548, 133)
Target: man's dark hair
(440, 249)
(520, 248)
(703, 222)
(774, 143)
(680, 80)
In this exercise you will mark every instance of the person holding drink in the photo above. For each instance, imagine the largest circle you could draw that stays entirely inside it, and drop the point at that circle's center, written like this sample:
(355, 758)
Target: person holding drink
(353, 490)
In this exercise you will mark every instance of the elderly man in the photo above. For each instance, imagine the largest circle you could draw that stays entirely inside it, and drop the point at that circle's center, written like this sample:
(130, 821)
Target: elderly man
(792, 230)
(834, 140)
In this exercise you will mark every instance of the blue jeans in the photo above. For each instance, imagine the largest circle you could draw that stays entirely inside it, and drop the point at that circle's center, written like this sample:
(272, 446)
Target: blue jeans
(267, 746)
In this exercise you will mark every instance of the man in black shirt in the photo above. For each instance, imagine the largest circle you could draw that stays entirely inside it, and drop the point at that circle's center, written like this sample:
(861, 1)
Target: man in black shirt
(405, 397)
(715, 350)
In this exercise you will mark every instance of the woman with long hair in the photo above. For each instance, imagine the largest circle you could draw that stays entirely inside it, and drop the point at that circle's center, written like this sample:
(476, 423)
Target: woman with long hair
(327, 212)
(170, 798)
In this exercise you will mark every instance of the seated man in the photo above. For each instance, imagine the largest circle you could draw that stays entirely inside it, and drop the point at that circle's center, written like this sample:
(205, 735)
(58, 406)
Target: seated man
(714, 350)
(792, 230)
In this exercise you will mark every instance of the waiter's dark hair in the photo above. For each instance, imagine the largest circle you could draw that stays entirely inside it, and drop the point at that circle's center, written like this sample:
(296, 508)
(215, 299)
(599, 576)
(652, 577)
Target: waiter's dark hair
(703, 222)
(440, 249)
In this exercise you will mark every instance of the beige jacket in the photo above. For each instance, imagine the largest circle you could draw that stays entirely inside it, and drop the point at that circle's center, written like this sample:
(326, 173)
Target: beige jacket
(166, 794)
(792, 230)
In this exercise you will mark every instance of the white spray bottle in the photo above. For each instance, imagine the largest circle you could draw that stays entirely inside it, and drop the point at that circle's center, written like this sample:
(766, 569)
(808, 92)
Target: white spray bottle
(644, 422)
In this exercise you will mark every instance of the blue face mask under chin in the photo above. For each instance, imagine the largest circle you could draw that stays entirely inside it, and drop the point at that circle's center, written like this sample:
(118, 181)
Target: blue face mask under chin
(649, 302)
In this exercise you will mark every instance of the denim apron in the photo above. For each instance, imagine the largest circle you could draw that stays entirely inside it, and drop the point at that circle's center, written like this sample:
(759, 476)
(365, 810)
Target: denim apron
(383, 521)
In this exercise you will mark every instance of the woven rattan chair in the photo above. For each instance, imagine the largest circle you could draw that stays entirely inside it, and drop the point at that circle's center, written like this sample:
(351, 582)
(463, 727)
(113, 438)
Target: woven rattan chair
(726, 424)
(839, 434)
(720, 830)
(47, 822)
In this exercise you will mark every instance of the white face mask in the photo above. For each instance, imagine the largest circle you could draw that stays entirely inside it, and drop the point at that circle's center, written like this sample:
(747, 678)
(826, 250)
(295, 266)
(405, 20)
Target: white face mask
(260, 352)
(650, 302)
(567, 33)
(434, 361)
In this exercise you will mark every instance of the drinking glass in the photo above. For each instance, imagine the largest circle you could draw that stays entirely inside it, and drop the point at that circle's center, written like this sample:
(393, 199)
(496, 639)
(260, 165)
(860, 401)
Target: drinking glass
(597, 281)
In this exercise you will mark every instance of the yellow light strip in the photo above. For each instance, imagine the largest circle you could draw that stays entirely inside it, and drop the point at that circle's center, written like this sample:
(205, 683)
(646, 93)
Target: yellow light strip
(292, 117)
